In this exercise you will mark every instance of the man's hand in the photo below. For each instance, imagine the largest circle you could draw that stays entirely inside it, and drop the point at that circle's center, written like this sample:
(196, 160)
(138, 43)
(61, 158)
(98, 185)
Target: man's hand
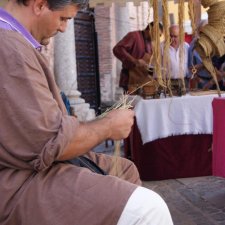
(115, 125)
(120, 122)
(142, 65)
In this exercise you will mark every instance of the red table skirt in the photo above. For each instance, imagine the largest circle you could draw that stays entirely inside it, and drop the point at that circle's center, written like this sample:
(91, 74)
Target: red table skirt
(171, 157)
(218, 137)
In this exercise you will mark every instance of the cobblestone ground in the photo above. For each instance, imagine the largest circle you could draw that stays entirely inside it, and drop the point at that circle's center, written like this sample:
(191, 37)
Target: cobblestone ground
(193, 201)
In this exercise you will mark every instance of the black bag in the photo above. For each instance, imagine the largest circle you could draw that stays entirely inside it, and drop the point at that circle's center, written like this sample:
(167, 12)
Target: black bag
(83, 161)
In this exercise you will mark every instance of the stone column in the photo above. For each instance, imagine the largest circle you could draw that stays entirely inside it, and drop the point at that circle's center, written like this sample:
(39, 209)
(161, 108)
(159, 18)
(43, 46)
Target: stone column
(66, 73)
(121, 26)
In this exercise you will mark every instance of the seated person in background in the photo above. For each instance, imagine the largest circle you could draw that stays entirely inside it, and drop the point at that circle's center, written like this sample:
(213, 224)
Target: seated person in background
(176, 70)
(218, 63)
(39, 186)
(134, 51)
(201, 76)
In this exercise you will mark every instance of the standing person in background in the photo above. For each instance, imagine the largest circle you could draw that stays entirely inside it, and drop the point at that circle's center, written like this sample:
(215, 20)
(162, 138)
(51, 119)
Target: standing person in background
(174, 71)
(135, 51)
(39, 185)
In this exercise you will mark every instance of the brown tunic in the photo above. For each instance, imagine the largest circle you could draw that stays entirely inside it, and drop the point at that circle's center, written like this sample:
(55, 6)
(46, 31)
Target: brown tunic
(35, 129)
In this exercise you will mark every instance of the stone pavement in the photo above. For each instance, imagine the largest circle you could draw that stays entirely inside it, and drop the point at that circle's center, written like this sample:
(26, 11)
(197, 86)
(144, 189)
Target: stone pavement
(193, 201)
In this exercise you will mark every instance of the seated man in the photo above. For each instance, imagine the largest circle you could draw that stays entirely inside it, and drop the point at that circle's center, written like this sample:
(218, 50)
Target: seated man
(220, 73)
(201, 75)
(38, 138)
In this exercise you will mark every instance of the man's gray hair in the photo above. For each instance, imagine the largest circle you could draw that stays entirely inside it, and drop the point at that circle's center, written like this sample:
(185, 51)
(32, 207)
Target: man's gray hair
(58, 4)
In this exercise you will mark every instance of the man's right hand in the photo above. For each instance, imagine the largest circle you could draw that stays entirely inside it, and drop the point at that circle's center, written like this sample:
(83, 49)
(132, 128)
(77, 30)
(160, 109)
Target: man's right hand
(120, 122)
(142, 65)
(115, 125)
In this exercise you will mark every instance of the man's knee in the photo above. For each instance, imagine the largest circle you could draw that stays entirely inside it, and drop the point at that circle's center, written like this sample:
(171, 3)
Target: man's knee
(130, 172)
(145, 207)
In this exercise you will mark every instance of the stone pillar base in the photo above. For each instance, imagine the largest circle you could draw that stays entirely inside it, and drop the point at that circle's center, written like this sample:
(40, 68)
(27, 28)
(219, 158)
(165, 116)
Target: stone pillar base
(83, 112)
(81, 109)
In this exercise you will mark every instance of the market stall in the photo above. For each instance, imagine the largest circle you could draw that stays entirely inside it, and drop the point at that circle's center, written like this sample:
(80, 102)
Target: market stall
(172, 137)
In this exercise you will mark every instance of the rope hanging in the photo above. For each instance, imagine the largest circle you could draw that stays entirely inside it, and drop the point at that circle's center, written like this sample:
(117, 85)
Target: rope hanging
(156, 44)
(166, 61)
(191, 12)
(181, 39)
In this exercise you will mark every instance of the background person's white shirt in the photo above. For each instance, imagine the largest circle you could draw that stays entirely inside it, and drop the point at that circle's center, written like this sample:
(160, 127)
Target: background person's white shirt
(174, 62)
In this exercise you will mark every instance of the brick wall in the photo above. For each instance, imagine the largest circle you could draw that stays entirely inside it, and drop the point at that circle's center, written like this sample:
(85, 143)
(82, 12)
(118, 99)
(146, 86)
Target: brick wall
(103, 29)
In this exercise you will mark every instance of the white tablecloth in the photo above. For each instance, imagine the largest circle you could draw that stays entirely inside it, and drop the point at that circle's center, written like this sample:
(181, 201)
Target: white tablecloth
(160, 118)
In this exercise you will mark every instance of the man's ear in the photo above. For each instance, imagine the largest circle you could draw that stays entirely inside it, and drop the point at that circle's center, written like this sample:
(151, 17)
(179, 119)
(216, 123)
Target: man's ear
(39, 6)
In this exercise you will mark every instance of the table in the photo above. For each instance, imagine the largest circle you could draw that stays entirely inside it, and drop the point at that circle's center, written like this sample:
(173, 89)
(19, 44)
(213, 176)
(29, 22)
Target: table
(172, 137)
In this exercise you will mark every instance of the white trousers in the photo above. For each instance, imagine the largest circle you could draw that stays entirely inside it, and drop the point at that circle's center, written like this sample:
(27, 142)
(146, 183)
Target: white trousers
(145, 207)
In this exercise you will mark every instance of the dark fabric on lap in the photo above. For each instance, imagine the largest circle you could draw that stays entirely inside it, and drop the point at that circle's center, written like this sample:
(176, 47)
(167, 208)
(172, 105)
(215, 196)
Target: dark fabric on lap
(83, 161)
